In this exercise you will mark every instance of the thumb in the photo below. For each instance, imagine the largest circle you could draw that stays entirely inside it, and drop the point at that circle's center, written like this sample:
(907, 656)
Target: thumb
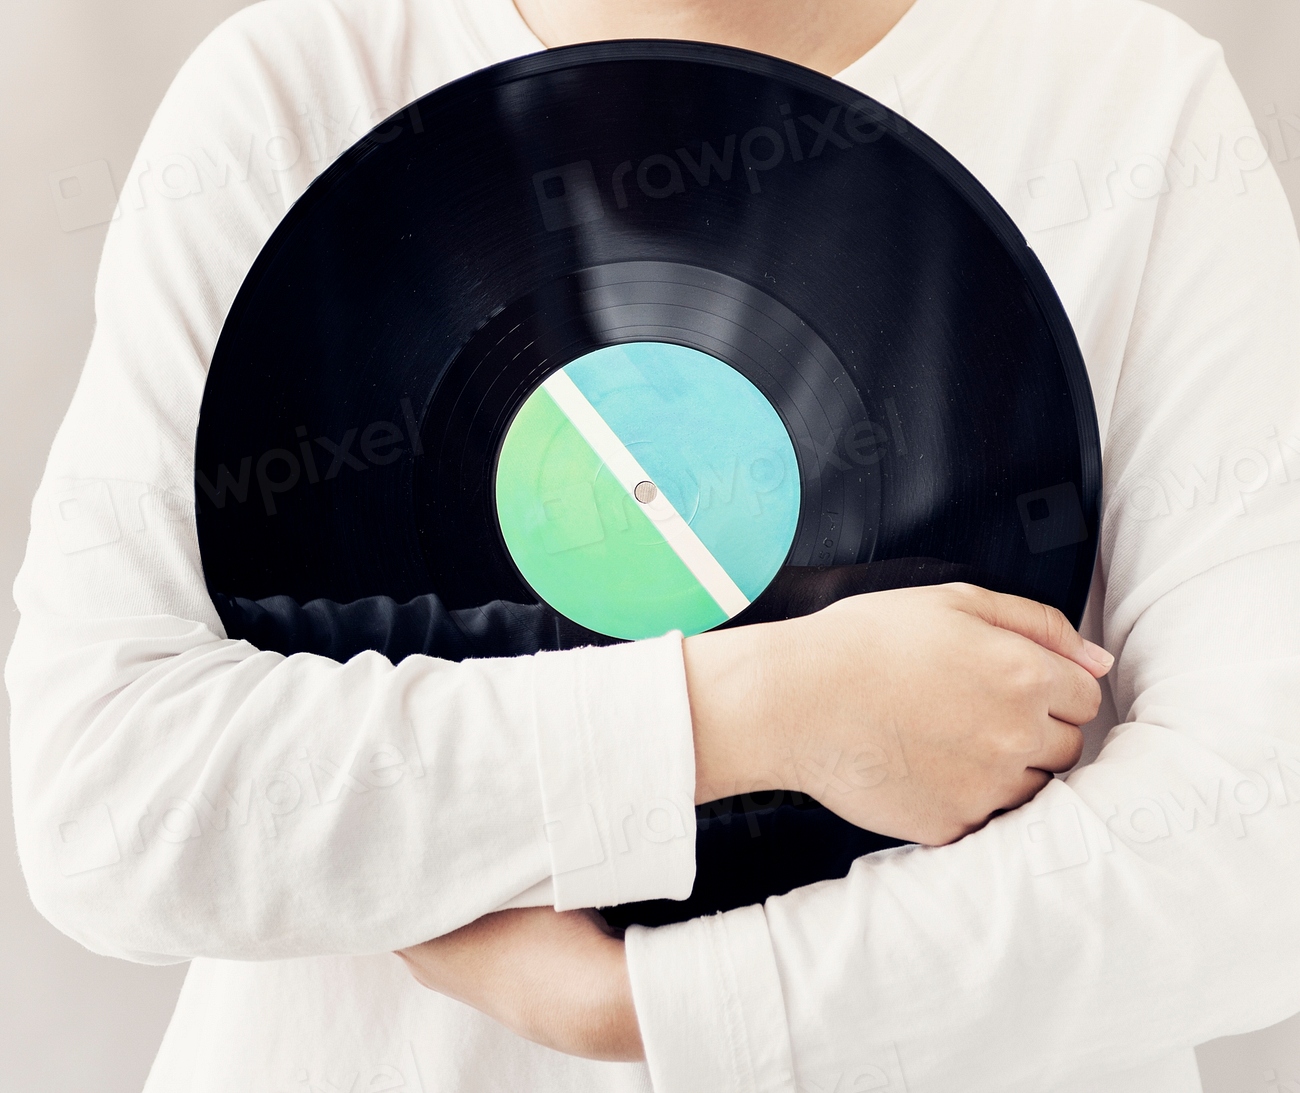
(1042, 624)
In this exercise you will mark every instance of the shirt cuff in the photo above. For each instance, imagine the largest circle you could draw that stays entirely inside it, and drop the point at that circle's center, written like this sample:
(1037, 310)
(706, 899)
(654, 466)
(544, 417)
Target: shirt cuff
(617, 764)
(709, 1002)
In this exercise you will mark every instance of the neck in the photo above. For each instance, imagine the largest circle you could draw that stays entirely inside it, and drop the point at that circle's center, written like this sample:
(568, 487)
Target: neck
(827, 35)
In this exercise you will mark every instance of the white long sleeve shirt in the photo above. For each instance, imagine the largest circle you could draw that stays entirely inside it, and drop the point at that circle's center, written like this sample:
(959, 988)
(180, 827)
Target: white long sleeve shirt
(287, 822)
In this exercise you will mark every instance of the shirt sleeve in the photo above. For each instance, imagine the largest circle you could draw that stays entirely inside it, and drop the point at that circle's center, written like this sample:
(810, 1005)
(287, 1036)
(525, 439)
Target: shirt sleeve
(179, 793)
(1145, 903)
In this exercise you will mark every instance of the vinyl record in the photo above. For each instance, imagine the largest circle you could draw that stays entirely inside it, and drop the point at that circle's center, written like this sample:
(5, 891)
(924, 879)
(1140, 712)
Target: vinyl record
(642, 336)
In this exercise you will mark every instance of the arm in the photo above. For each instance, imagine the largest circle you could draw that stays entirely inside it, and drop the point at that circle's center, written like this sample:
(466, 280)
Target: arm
(1145, 904)
(179, 793)
(940, 672)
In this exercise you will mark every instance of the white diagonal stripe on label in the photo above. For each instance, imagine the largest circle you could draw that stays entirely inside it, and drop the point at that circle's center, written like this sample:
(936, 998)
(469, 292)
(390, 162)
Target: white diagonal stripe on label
(623, 465)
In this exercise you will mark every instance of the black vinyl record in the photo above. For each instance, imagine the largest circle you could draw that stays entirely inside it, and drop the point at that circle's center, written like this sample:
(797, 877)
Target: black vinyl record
(396, 330)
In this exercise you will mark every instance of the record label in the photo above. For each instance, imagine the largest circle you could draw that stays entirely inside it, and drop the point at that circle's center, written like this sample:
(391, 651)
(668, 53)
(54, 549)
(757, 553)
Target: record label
(647, 487)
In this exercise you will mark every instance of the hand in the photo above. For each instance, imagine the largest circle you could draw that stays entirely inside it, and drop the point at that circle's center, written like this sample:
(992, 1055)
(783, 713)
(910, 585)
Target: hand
(917, 712)
(558, 978)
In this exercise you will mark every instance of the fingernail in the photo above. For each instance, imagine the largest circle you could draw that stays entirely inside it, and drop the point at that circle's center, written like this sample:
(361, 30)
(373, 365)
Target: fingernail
(1099, 656)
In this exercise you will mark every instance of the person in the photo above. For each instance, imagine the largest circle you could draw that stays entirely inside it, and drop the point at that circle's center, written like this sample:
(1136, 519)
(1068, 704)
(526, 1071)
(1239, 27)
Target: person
(288, 822)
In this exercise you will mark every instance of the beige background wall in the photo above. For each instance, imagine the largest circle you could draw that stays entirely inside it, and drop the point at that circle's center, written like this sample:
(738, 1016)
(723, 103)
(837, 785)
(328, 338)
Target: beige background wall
(79, 80)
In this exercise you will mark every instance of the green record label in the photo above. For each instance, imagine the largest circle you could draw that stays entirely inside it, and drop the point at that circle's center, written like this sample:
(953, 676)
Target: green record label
(647, 487)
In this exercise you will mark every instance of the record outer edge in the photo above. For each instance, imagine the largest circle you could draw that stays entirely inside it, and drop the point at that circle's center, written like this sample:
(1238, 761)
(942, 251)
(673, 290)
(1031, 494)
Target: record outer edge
(947, 166)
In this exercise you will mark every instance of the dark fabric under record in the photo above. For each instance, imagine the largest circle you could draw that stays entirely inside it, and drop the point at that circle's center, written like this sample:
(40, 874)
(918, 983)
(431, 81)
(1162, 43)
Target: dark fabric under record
(422, 626)
(747, 848)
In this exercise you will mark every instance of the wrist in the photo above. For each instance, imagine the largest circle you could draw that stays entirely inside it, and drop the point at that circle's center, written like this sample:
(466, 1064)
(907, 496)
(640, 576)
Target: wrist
(729, 683)
(580, 1003)
(589, 1010)
(615, 1028)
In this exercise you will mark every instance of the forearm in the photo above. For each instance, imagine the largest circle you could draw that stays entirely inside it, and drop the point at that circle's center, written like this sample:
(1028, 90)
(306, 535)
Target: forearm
(181, 795)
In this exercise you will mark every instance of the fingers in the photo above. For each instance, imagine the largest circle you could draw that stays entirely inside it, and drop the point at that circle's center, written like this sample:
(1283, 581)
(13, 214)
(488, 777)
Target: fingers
(1042, 624)
(1029, 785)
(1074, 695)
(1062, 745)
(1061, 748)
